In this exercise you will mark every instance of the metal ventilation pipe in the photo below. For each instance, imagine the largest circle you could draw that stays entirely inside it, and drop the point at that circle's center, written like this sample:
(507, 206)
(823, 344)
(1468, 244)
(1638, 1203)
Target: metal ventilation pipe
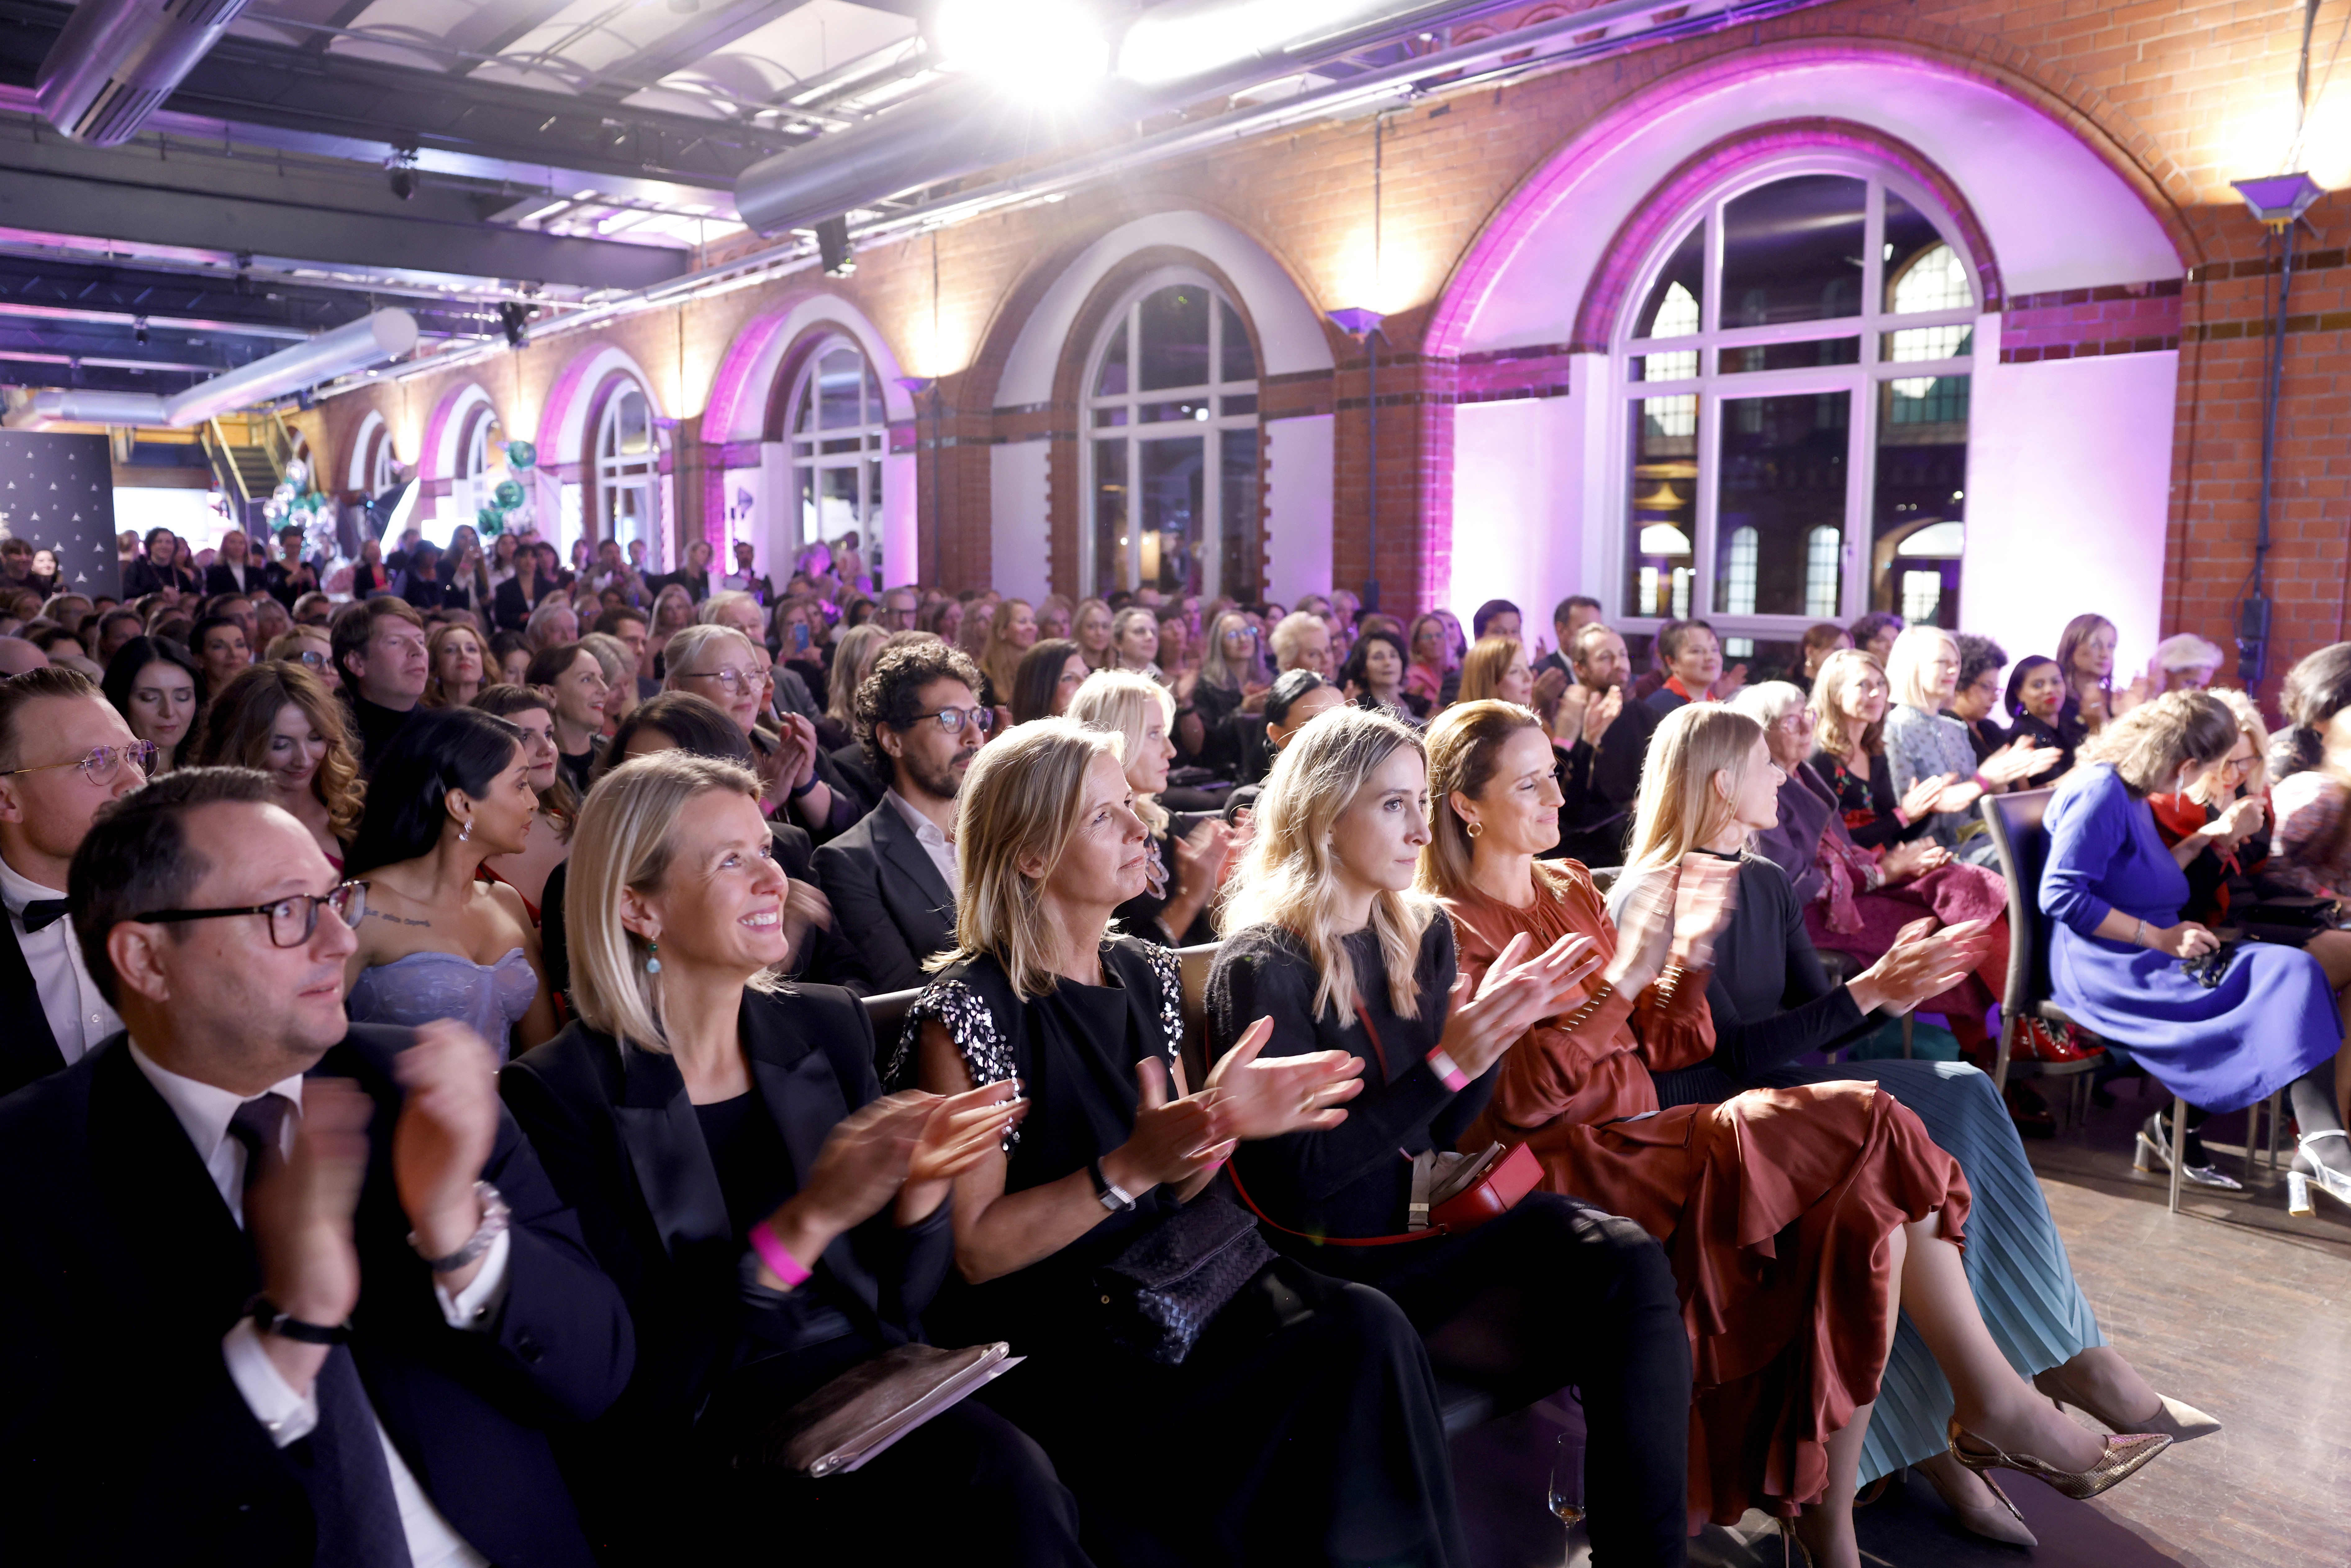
(364, 343)
(118, 61)
(1177, 52)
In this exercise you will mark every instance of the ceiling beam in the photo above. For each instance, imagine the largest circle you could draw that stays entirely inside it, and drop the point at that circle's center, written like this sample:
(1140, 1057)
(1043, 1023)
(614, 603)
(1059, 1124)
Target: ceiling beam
(705, 35)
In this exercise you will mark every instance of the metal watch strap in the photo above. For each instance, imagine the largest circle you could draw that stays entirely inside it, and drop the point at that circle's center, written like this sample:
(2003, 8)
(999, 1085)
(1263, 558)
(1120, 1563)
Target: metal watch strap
(1114, 1197)
(495, 1218)
(269, 1320)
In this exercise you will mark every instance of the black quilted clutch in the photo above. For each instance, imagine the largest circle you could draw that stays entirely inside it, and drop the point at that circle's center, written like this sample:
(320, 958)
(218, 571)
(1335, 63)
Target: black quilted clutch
(1160, 1294)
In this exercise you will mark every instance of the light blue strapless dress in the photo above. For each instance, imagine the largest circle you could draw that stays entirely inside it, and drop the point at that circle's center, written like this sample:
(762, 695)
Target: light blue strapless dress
(489, 998)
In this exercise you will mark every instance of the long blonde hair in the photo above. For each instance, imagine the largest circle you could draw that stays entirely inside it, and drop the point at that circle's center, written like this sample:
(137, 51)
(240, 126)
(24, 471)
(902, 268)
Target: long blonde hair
(1679, 809)
(1838, 671)
(1290, 876)
(1488, 661)
(1023, 796)
(1124, 703)
(1465, 746)
(1000, 660)
(853, 661)
(627, 838)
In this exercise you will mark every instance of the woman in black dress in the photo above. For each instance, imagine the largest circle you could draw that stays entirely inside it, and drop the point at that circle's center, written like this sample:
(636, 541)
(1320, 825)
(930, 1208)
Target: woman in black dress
(1327, 943)
(1301, 1425)
(706, 1125)
(1186, 852)
(1849, 699)
(2044, 711)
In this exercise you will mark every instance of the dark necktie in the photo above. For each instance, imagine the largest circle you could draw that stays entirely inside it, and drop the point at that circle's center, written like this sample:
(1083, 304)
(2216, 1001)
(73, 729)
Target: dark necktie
(42, 912)
(350, 1484)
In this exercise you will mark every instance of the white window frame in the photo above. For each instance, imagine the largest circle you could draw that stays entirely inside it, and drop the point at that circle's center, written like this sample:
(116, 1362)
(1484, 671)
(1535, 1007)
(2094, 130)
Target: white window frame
(616, 471)
(1711, 386)
(871, 433)
(1210, 430)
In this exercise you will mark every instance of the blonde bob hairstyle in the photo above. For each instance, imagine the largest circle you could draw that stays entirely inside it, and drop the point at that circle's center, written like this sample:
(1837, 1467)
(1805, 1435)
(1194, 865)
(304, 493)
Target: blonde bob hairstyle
(1840, 671)
(1465, 746)
(626, 838)
(1488, 661)
(2147, 745)
(1023, 797)
(1679, 809)
(2248, 716)
(1124, 703)
(1290, 877)
(1907, 662)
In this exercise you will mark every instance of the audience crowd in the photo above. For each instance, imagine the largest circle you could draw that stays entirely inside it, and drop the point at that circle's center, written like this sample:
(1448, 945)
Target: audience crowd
(619, 1019)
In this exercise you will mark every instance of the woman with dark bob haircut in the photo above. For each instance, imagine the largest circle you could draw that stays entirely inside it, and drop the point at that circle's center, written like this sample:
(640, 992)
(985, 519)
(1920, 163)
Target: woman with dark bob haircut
(451, 791)
(153, 684)
(1047, 677)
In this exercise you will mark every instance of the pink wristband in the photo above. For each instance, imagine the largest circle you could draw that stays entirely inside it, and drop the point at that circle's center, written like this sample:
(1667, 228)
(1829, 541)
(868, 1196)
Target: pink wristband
(1982, 783)
(1445, 1068)
(779, 1262)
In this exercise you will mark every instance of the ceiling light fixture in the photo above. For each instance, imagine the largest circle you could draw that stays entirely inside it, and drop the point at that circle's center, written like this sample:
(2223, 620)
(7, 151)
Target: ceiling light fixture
(1049, 51)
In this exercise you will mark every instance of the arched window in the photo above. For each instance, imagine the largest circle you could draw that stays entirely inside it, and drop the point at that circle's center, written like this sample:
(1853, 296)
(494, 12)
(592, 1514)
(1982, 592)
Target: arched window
(1795, 380)
(839, 433)
(384, 470)
(628, 465)
(1171, 466)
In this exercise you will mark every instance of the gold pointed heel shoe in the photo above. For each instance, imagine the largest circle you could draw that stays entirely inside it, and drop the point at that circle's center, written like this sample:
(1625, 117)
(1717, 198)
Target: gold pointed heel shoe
(2126, 1456)
(2182, 1423)
(2002, 1524)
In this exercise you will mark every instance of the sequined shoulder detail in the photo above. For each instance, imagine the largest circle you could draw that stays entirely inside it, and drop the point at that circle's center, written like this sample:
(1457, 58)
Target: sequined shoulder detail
(971, 1024)
(1168, 971)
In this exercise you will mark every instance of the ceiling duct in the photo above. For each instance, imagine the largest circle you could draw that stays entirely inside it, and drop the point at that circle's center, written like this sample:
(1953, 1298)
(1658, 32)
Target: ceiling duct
(1175, 53)
(361, 345)
(118, 61)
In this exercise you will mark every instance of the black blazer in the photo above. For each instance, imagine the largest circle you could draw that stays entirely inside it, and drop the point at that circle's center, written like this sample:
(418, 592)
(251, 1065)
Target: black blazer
(219, 579)
(284, 586)
(891, 907)
(510, 610)
(124, 1440)
(623, 1146)
(143, 577)
(29, 1050)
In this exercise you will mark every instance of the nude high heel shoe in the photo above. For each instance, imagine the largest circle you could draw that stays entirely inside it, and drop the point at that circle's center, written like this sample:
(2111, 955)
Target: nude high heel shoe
(2002, 1524)
(2126, 1456)
(2180, 1422)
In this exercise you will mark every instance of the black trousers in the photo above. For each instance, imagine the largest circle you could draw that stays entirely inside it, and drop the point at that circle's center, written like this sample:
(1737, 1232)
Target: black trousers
(1553, 1295)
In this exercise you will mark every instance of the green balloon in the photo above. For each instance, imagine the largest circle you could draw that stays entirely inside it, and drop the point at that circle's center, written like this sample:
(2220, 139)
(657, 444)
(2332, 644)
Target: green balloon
(508, 493)
(490, 521)
(520, 454)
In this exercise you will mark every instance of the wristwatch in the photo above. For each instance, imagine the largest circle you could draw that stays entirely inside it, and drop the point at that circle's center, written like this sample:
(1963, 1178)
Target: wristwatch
(1114, 1197)
(269, 1320)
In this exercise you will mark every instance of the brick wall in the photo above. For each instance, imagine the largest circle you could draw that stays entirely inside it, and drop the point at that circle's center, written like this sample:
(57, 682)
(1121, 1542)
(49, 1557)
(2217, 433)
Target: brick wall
(2179, 95)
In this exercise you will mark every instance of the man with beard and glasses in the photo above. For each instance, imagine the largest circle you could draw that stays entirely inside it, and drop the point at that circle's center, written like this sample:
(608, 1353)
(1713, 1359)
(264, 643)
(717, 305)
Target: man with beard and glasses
(892, 878)
(1610, 733)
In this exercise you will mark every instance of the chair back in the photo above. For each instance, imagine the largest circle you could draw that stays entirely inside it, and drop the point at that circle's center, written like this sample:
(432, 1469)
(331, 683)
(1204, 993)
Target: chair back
(888, 1011)
(2014, 821)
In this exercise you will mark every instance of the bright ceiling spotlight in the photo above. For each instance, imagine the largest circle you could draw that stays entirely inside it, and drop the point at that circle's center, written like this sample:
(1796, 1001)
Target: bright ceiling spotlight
(1044, 50)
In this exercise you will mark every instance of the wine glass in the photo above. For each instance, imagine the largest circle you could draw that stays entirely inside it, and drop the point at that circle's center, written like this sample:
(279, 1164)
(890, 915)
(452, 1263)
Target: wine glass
(1567, 1484)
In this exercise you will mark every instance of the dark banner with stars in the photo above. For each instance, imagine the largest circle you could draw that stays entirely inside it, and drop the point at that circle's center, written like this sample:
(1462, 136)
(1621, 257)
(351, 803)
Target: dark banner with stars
(57, 493)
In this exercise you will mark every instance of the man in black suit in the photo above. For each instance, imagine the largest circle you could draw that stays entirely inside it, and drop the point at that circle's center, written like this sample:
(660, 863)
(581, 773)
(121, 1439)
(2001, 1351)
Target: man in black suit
(198, 1212)
(53, 722)
(891, 878)
(1603, 767)
(1568, 617)
(233, 573)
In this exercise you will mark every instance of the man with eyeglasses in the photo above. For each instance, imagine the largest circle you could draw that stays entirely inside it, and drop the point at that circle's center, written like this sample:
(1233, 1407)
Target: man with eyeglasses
(891, 878)
(195, 1212)
(378, 650)
(64, 753)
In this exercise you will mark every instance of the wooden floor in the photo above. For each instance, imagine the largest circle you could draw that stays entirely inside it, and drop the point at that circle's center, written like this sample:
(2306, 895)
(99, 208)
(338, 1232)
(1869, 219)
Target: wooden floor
(2232, 1305)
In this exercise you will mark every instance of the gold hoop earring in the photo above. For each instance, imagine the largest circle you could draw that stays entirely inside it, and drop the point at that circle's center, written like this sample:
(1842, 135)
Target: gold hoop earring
(1473, 829)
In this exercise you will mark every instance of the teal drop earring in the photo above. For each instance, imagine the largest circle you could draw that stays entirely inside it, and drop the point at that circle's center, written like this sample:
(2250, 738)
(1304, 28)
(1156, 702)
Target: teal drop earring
(653, 958)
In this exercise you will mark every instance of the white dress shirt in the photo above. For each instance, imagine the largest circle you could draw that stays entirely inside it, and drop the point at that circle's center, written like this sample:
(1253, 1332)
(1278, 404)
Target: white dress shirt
(934, 841)
(287, 1417)
(78, 1017)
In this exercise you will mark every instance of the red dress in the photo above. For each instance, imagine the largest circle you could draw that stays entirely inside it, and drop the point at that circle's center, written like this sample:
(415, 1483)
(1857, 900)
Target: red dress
(1773, 1207)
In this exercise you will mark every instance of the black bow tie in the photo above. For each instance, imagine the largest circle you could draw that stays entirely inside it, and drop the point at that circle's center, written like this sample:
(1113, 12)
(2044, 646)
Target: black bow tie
(41, 912)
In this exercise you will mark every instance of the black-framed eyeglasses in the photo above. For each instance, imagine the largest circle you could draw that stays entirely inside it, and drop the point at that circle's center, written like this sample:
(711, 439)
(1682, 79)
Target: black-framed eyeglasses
(953, 720)
(292, 920)
(100, 763)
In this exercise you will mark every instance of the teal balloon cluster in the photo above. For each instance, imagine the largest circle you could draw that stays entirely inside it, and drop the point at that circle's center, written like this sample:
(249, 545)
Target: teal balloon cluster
(509, 496)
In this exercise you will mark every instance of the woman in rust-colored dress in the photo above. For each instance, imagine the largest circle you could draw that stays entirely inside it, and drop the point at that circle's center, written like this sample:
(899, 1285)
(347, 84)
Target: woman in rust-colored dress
(1797, 1220)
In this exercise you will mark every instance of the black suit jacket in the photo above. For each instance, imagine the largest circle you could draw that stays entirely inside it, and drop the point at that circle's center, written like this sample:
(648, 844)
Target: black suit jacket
(278, 580)
(122, 1440)
(891, 907)
(623, 1146)
(29, 1050)
(1602, 783)
(219, 579)
(143, 577)
(510, 610)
